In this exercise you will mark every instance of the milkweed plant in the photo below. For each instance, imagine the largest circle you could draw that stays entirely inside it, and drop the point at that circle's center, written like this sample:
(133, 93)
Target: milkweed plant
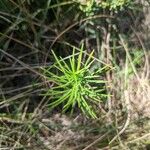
(75, 84)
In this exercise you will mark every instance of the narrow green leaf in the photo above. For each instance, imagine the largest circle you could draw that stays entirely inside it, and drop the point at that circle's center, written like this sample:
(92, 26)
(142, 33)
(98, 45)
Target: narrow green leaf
(60, 100)
(80, 58)
(89, 58)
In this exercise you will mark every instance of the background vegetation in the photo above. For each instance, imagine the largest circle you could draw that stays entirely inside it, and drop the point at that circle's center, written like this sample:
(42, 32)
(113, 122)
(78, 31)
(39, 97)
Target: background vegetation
(74, 75)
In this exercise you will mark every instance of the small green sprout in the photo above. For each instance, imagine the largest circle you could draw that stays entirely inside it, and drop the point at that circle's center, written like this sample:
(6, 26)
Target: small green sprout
(75, 85)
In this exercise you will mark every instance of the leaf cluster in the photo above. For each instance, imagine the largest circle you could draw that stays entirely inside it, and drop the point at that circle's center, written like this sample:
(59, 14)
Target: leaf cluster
(75, 84)
(88, 6)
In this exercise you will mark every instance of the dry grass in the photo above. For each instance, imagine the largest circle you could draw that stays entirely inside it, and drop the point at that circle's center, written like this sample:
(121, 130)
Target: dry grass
(27, 36)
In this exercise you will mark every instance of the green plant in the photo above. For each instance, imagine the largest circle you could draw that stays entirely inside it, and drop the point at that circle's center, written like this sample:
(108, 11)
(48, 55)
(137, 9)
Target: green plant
(89, 6)
(76, 84)
(113, 4)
